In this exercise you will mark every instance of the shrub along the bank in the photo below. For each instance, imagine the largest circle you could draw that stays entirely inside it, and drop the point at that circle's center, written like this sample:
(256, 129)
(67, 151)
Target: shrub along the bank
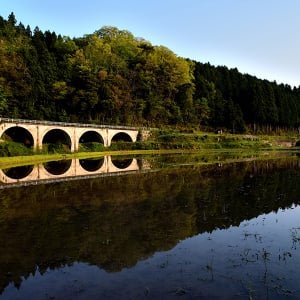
(91, 147)
(14, 149)
(55, 148)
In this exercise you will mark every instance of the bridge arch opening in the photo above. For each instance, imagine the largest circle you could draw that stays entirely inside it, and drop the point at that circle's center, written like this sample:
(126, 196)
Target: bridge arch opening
(56, 140)
(91, 165)
(18, 172)
(19, 135)
(90, 140)
(58, 167)
(122, 163)
(121, 137)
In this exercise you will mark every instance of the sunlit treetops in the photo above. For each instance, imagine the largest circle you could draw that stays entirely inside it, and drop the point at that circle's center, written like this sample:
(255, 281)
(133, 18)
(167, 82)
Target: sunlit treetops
(113, 77)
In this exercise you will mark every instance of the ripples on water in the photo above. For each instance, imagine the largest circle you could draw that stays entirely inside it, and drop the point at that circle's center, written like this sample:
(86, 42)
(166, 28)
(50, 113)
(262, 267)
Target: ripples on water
(210, 232)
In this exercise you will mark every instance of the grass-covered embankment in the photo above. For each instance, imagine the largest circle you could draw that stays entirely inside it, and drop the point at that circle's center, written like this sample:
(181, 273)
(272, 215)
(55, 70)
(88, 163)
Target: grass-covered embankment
(14, 161)
(161, 141)
(205, 140)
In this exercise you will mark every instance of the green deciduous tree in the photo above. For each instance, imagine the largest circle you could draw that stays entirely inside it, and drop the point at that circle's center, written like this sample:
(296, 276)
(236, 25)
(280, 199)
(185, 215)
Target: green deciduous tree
(111, 76)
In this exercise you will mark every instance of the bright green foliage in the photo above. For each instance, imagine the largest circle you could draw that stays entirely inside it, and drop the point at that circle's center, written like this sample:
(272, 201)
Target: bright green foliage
(13, 149)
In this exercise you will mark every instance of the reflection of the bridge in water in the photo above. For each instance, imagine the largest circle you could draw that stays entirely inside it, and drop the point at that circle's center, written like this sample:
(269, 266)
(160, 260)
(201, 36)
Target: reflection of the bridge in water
(69, 169)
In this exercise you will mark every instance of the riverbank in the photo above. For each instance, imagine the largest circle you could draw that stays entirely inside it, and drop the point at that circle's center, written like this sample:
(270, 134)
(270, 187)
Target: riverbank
(169, 142)
(14, 161)
(8, 162)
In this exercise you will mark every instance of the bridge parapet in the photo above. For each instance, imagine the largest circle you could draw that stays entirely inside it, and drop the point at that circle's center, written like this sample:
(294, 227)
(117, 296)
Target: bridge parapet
(65, 124)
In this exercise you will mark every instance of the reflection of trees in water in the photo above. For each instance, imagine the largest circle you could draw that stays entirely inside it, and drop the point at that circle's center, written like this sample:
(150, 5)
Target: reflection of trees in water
(114, 222)
(58, 167)
(18, 172)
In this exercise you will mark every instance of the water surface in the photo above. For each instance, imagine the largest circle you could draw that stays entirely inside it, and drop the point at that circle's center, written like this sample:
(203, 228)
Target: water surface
(171, 228)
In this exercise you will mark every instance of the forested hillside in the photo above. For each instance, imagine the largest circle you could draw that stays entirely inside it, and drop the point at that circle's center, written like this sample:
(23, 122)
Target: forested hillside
(112, 77)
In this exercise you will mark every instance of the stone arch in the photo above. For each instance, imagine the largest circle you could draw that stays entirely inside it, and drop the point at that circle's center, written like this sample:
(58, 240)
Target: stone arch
(121, 163)
(18, 172)
(57, 136)
(19, 134)
(90, 137)
(121, 136)
(91, 165)
(58, 167)
(115, 135)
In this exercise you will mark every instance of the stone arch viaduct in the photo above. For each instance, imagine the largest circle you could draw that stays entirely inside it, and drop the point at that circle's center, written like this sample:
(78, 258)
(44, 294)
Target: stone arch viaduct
(35, 133)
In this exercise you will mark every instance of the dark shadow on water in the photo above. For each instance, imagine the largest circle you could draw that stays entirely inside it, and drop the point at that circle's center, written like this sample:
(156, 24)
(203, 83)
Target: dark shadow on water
(18, 172)
(58, 167)
(91, 165)
(121, 163)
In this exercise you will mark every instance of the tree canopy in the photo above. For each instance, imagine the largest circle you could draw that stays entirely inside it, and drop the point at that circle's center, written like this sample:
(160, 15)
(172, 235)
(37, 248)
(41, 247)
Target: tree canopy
(113, 77)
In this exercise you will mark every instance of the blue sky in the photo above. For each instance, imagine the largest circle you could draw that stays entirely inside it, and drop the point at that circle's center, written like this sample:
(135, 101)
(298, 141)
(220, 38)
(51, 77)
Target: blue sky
(259, 37)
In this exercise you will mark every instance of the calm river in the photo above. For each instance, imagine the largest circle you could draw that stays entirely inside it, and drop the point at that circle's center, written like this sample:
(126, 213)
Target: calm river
(165, 227)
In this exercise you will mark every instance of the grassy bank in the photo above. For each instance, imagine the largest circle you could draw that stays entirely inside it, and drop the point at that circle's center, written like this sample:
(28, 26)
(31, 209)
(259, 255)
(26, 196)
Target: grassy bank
(6, 162)
(161, 142)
